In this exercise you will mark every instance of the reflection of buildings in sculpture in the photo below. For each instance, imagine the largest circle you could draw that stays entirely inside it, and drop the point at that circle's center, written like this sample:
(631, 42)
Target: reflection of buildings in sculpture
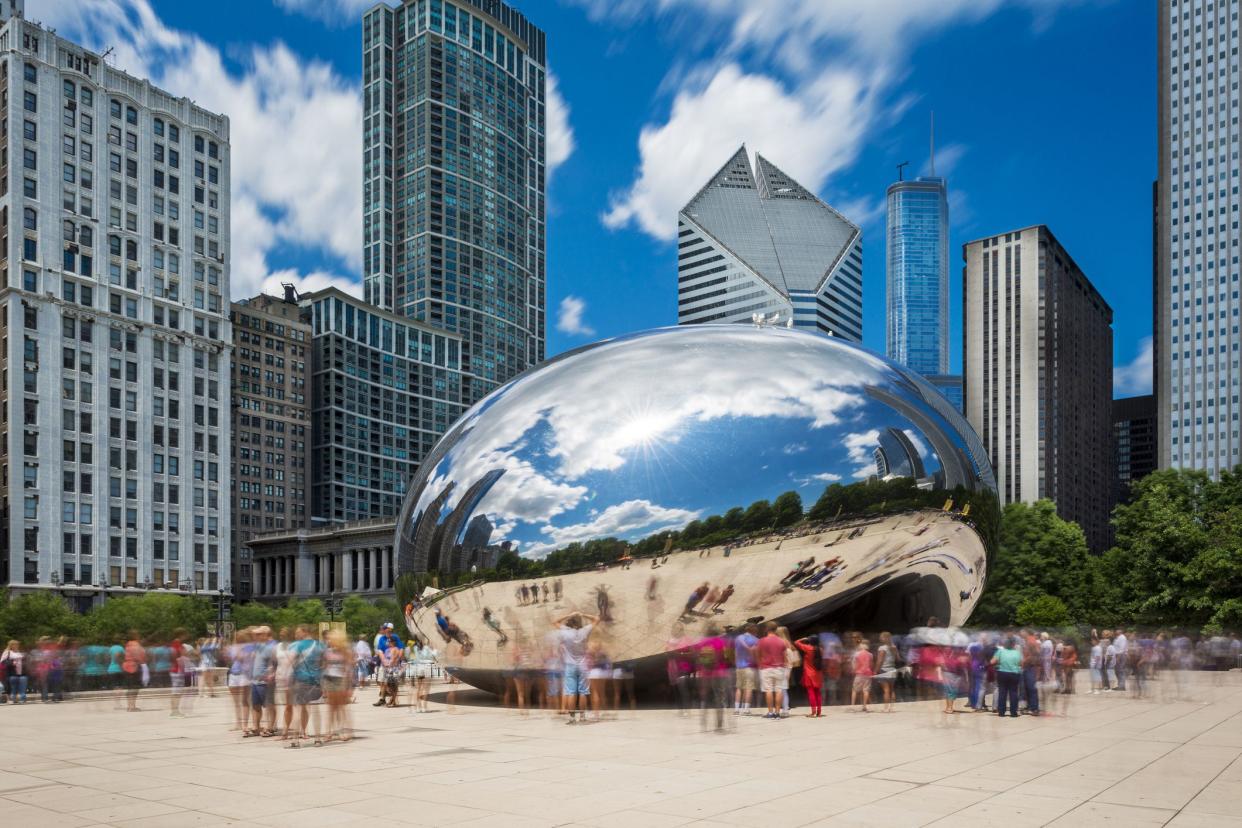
(950, 385)
(473, 549)
(896, 456)
(760, 242)
(957, 467)
(436, 541)
(889, 578)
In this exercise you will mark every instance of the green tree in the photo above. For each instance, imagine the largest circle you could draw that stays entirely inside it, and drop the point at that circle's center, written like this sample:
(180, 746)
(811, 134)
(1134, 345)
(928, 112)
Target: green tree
(1042, 611)
(30, 617)
(787, 509)
(734, 518)
(153, 615)
(1039, 554)
(759, 516)
(1178, 554)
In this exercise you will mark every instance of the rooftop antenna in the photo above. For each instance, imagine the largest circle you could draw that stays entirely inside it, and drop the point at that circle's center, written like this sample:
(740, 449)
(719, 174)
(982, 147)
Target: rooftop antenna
(901, 169)
(933, 143)
(104, 56)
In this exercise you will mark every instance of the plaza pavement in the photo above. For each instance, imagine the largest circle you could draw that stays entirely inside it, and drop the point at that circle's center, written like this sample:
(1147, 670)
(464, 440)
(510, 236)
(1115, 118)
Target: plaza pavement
(1111, 760)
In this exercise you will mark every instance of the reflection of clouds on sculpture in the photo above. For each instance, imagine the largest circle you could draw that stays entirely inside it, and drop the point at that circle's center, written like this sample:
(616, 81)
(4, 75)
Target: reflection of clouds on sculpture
(860, 446)
(584, 436)
(823, 478)
(647, 432)
(621, 520)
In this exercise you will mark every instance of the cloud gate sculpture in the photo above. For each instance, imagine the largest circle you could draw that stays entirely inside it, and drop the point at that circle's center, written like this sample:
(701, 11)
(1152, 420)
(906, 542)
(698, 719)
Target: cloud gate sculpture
(703, 474)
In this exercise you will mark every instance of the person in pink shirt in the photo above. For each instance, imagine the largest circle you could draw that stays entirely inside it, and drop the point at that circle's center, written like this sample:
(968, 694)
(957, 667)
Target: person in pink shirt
(771, 656)
(862, 674)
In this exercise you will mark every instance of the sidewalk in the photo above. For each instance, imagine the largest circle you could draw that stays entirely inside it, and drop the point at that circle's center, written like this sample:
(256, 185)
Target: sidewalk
(1111, 759)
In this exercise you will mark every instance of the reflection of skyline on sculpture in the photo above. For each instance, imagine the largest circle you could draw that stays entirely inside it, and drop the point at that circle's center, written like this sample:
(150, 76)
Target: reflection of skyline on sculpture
(650, 431)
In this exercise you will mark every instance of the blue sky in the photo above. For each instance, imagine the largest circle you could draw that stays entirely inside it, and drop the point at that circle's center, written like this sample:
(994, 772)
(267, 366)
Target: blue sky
(1045, 113)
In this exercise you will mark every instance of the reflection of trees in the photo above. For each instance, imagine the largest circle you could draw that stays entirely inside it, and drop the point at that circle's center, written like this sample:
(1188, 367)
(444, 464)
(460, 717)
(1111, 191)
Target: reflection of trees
(785, 515)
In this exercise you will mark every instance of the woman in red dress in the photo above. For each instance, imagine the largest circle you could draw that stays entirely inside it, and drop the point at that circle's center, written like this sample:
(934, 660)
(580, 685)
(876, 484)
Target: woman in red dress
(812, 672)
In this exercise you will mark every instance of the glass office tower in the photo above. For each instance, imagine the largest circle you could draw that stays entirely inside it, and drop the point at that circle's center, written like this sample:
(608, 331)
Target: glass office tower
(454, 177)
(758, 242)
(918, 275)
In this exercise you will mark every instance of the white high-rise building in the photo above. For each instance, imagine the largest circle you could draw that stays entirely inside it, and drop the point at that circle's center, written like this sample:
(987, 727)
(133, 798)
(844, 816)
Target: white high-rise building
(1196, 302)
(760, 242)
(114, 286)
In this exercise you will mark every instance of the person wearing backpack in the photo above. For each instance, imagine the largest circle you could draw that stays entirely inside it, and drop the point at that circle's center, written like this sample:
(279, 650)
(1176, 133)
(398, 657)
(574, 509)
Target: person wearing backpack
(307, 668)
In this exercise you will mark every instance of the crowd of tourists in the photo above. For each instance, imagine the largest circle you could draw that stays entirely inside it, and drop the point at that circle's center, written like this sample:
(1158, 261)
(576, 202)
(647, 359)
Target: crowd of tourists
(762, 670)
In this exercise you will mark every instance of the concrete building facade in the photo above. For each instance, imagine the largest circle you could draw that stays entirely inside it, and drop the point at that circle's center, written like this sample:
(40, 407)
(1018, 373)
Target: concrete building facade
(1037, 359)
(114, 297)
(350, 559)
(271, 425)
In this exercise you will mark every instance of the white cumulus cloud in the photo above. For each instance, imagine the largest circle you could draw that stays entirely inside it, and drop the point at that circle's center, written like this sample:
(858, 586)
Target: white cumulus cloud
(329, 11)
(619, 521)
(1135, 377)
(805, 82)
(295, 131)
(569, 318)
(560, 135)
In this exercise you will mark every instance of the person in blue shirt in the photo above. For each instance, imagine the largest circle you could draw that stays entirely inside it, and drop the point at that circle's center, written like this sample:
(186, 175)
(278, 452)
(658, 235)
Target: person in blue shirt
(747, 676)
(384, 639)
(307, 670)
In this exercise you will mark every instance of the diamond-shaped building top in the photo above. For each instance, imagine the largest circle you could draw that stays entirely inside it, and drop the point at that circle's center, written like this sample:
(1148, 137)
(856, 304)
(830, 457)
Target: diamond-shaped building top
(756, 241)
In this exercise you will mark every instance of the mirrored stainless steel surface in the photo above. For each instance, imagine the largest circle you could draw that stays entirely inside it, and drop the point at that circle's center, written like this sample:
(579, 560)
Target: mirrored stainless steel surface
(681, 446)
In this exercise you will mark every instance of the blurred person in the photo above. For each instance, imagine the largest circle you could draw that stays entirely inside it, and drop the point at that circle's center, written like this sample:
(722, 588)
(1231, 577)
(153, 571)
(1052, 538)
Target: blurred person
(94, 667)
(362, 660)
(553, 701)
(711, 674)
(744, 669)
(177, 674)
(114, 673)
(599, 677)
(338, 668)
(1096, 664)
(262, 683)
(978, 670)
(886, 669)
(1121, 648)
(1008, 661)
(424, 663)
(209, 658)
(1068, 660)
(159, 660)
(862, 661)
(133, 666)
(386, 636)
(283, 685)
(1109, 676)
(623, 679)
(239, 678)
(793, 660)
(15, 668)
(307, 670)
(574, 631)
(830, 657)
(1031, 665)
(812, 673)
(771, 656)
(392, 665)
(680, 664)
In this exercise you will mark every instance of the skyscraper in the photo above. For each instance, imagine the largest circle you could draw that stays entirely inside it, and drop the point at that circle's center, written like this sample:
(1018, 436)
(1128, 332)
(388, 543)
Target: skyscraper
(454, 177)
(760, 242)
(1196, 302)
(1134, 441)
(271, 424)
(918, 275)
(114, 280)
(1038, 366)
